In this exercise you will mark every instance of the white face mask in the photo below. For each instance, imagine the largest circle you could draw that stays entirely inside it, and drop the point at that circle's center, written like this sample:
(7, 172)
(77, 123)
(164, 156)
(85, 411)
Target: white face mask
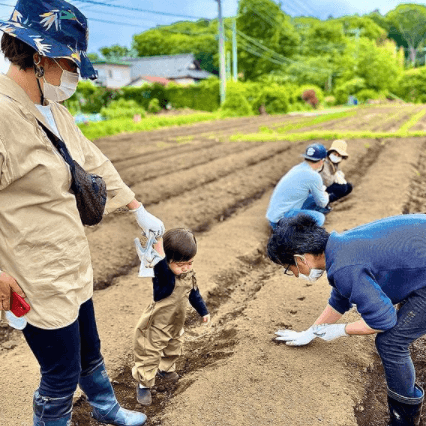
(314, 274)
(67, 87)
(335, 158)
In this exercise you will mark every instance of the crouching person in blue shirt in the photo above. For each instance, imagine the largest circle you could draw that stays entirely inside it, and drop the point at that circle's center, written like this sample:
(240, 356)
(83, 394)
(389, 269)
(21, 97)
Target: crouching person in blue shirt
(374, 266)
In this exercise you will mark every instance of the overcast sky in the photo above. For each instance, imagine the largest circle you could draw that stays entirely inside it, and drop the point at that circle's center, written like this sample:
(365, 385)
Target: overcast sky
(124, 23)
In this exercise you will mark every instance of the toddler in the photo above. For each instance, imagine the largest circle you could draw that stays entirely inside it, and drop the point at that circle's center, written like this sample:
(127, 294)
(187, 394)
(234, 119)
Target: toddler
(159, 334)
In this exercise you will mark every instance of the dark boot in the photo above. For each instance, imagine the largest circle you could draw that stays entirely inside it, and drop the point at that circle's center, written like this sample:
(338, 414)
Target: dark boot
(52, 411)
(101, 397)
(404, 411)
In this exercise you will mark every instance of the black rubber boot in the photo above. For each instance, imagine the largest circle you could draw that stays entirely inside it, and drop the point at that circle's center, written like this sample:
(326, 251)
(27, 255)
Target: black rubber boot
(404, 411)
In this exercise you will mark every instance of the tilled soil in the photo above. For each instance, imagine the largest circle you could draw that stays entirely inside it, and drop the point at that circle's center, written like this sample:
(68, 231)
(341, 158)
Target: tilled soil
(233, 373)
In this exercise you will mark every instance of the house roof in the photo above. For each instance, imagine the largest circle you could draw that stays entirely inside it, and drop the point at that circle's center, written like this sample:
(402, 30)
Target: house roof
(151, 79)
(171, 67)
(126, 64)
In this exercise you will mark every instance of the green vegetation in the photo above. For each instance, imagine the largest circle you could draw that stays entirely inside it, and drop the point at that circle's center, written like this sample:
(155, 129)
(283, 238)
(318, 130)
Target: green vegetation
(126, 125)
(122, 108)
(317, 120)
(284, 133)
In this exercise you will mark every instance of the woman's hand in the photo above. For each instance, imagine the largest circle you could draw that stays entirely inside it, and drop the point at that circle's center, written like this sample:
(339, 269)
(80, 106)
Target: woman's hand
(206, 319)
(7, 285)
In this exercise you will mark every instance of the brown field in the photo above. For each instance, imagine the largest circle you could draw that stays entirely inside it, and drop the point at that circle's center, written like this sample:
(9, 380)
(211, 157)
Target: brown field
(233, 373)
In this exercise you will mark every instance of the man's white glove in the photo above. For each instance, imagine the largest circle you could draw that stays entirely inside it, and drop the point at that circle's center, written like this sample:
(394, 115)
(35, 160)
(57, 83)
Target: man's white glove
(148, 222)
(339, 178)
(294, 338)
(330, 332)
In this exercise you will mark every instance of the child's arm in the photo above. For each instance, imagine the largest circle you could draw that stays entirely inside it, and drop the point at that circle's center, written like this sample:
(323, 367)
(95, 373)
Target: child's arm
(198, 303)
(158, 247)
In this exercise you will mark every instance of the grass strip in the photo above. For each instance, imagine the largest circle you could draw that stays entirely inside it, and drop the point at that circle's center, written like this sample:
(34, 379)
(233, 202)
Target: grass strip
(317, 120)
(324, 135)
(412, 121)
(101, 129)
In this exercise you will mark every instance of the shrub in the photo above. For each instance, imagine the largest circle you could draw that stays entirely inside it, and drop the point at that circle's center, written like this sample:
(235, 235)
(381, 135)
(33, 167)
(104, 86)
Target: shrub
(366, 94)
(274, 98)
(412, 85)
(235, 105)
(310, 98)
(348, 88)
(122, 108)
(154, 106)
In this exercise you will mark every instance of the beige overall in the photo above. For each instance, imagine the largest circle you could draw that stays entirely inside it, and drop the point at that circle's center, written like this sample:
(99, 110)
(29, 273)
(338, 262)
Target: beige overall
(159, 334)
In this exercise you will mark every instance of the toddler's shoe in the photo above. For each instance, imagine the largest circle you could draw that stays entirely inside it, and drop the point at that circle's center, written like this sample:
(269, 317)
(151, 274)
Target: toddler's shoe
(172, 376)
(143, 395)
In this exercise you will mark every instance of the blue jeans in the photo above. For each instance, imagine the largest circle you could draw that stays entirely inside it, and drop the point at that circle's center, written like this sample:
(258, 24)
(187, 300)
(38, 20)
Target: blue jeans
(318, 217)
(65, 353)
(393, 345)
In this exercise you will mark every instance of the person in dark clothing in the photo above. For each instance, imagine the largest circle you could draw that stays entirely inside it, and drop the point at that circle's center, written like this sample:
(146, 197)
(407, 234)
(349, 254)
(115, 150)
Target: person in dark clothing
(374, 267)
(158, 336)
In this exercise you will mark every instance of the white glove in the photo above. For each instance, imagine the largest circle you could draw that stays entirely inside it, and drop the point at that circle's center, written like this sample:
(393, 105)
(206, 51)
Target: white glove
(148, 222)
(330, 332)
(339, 178)
(294, 338)
(148, 256)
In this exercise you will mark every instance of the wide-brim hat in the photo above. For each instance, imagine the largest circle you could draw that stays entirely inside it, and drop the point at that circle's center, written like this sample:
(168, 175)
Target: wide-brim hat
(339, 146)
(54, 28)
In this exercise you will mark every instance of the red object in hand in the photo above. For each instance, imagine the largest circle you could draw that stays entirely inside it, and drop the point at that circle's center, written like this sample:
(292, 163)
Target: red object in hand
(19, 307)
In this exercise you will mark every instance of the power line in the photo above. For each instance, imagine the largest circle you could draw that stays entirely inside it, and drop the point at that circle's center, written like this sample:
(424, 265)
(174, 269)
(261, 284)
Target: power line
(136, 9)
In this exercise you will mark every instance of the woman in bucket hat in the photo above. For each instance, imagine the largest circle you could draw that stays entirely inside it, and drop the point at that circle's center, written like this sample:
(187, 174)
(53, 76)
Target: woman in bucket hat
(44, 253)
(333, 178)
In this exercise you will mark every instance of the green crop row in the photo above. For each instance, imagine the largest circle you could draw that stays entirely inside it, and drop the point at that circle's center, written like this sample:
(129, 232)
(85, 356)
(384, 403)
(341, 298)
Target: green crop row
(324, 135)
(412, 121)
(317, 120)
(126, 125)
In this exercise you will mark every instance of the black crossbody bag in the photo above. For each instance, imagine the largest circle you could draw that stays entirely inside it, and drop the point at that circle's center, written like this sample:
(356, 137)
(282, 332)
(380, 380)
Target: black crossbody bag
(89, 189)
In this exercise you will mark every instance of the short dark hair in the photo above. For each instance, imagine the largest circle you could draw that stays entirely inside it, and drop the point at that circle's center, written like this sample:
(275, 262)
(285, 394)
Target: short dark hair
(179, 245)
(17, 52)
(296, 235)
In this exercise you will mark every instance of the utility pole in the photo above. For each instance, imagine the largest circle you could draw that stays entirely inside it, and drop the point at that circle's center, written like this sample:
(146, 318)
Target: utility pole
(222, 64)
(234, 50)
(228, 65)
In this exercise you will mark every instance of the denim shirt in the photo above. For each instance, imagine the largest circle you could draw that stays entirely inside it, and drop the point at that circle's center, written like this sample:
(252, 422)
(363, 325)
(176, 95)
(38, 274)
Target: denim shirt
(293, 189)
(377, 265)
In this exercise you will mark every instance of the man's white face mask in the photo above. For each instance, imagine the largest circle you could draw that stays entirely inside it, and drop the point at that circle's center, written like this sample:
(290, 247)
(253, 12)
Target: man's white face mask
(314, 274)
(67, 87)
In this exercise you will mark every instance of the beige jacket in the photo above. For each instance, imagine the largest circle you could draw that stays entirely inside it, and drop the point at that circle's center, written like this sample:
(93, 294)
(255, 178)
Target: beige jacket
(328, 173)
(42, 240)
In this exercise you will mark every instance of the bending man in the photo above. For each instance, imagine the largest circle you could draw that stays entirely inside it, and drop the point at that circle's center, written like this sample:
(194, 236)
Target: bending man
(374, 267)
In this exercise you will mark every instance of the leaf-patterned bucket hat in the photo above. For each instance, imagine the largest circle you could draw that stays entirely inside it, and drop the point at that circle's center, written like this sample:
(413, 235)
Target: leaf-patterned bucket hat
(54, 28)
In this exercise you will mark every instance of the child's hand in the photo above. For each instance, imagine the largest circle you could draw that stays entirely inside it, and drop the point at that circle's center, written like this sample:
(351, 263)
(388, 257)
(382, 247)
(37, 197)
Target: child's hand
(206, 319)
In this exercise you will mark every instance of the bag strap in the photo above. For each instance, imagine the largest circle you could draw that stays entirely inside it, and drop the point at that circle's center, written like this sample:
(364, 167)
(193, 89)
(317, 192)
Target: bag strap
(59, 144)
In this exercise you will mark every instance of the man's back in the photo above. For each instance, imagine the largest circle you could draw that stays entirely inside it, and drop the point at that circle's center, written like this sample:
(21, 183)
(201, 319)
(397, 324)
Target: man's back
(293, 189)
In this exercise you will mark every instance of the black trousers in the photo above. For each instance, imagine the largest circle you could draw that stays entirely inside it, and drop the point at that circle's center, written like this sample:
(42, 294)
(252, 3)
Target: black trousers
(337, 191)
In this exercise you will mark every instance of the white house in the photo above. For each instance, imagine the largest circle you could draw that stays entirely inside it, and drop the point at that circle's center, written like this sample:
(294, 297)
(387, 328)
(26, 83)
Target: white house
(113, 74)
(181, 69)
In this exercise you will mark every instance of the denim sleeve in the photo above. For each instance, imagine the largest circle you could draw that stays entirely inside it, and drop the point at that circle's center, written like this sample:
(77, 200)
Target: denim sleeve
(338, 302)
(360, 286)
(320, 196)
